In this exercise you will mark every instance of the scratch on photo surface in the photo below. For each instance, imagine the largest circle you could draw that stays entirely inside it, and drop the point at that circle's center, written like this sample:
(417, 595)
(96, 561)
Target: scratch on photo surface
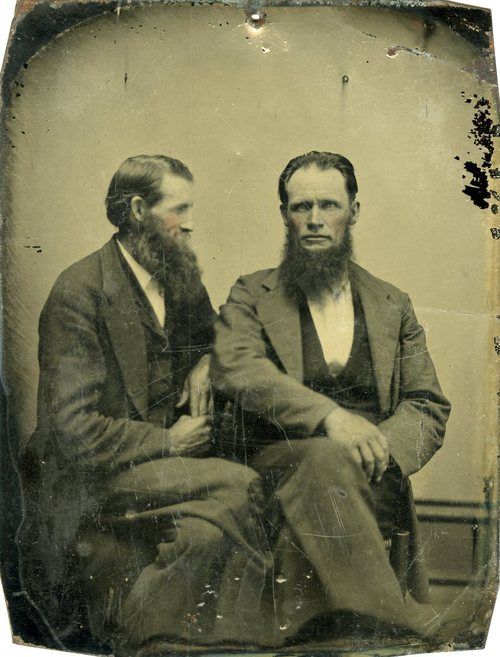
(336, 507)
(332, 535)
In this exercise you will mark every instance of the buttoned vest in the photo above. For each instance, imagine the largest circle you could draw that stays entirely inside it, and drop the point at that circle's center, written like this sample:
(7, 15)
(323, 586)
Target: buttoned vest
(355, 388)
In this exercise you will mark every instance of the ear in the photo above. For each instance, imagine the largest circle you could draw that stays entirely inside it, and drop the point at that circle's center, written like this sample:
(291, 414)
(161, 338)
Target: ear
(354, 213)
(284, 215)
(137, 208)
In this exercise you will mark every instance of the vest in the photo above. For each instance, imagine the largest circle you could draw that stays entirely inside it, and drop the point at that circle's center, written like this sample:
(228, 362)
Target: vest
(355, 388)
(173, 350)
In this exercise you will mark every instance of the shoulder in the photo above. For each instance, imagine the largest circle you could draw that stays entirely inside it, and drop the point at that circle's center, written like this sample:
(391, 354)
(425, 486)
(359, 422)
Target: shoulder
(256, 284)
(80, 281)
(258, 278)
(86, 269)
(378, 285)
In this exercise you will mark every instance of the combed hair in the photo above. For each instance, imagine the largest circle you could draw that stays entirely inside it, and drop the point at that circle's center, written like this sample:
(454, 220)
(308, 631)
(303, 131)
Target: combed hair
(323, 160)
(142, 176)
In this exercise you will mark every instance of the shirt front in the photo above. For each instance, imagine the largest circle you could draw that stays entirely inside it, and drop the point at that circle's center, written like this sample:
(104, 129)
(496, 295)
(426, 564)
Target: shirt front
(333, 317)
(150, 285)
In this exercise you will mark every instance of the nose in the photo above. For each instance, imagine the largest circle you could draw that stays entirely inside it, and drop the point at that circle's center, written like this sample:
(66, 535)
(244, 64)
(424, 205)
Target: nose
(314, 219)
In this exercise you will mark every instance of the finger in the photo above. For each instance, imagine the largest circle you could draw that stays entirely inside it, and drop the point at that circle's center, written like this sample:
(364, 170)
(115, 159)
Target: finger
(210, 409)
(204, 449)
(200, 434)
(200, 421)
(203, 401)
(356, 456)
(380, 460)
(183, 398)
(194, 399)
(200, 442)
(368, 459)
(383, 442)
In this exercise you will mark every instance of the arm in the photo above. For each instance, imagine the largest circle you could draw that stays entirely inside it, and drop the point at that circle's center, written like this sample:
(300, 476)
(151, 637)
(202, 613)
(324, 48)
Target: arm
(243, 370)
(415, 431)
(76, 377)
(73, 374)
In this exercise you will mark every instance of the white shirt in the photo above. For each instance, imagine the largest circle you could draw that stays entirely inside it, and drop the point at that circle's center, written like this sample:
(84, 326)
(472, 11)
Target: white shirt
(333, 317)
(151, 287)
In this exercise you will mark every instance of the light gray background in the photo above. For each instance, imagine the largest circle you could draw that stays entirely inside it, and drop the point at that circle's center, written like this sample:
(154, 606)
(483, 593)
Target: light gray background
(236, 106)
(400, 120)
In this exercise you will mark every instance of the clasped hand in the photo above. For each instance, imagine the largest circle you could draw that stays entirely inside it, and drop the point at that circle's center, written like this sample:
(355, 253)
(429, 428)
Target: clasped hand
(197, 389)
(367, 445)
(190, 435)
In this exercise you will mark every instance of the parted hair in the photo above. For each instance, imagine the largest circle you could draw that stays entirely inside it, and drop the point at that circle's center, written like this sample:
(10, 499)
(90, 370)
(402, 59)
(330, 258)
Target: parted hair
(323, 160)
(142, 176)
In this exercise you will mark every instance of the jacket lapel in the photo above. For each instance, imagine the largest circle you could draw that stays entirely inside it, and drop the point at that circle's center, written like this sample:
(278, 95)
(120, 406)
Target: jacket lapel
(123, 320)
(383, 319)
(281, 321)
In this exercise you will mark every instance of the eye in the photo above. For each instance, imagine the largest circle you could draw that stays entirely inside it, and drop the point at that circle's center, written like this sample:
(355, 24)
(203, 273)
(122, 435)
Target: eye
(329, 205)
(303, 206)
(182, 209)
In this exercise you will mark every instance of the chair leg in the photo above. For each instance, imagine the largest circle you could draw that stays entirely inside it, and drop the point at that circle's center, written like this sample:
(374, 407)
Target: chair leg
(398, 557)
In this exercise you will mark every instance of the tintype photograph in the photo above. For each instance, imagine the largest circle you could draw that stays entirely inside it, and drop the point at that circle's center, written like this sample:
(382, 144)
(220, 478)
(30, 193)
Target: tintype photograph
(248, 279)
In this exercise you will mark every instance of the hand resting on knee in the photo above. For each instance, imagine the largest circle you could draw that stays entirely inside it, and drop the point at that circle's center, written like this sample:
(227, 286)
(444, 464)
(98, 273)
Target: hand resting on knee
(366, 444)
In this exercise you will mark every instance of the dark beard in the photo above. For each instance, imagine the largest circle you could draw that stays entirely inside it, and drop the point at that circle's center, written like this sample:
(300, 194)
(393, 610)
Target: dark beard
(172, 263)
(315, 273)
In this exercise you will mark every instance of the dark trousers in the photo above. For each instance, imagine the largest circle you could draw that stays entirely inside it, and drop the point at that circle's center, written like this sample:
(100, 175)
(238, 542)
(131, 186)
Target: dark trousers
(153, 566)
(334, 530)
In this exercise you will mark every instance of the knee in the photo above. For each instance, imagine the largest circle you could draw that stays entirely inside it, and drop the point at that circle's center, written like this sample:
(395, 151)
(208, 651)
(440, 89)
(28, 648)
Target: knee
(201, 535)
(206, 537)
(195, 536)
(243, 489)
(250, 482)
(321, 456)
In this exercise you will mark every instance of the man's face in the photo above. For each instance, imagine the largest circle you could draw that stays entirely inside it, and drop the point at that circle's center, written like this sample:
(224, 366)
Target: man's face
(160, 239)
(171, 215)
(318, 208)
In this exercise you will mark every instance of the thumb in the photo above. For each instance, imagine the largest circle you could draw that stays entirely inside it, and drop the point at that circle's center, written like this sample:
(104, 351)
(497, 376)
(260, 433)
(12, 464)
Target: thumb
(184, 397)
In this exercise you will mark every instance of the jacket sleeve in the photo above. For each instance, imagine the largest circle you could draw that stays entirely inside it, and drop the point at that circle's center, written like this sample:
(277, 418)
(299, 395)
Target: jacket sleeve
(416, 429)
(73, 370)
(242, 370)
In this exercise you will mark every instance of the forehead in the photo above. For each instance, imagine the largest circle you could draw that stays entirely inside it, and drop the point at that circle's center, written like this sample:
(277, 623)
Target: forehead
(175, 187)
(311, 181)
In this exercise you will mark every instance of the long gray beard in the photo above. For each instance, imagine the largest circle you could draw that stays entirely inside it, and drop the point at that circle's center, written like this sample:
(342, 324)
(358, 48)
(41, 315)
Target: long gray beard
(315, 273)
(172, 263)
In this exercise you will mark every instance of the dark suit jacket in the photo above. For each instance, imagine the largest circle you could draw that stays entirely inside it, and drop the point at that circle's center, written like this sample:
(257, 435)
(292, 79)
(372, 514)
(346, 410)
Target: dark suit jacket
(92, 411)
(93, 388)
(258, 363)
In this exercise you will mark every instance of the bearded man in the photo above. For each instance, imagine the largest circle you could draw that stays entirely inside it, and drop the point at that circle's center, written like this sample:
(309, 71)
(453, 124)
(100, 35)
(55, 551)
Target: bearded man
(126, 513)
(339, 404)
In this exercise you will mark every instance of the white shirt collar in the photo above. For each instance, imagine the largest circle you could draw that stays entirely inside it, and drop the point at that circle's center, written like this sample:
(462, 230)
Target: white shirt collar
(150, 285)
(143, 276)
(333, 296)
(343, 288)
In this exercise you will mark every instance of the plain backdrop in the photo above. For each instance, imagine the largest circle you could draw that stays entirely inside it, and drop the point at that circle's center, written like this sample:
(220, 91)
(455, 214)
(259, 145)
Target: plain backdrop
(242, 179)
(236, 105)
